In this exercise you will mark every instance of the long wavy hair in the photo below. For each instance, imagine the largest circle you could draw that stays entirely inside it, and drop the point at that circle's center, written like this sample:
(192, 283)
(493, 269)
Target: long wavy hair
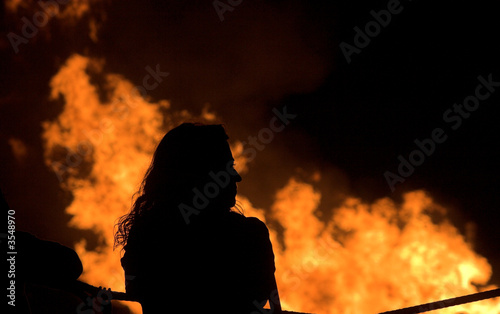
(181, 162)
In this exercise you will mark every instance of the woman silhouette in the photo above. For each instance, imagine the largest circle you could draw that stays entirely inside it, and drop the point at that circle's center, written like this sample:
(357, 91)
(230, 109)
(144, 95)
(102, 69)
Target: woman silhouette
(186, 250)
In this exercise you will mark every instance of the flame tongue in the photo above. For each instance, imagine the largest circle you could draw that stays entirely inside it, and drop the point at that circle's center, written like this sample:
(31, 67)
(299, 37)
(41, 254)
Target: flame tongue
(367, 258)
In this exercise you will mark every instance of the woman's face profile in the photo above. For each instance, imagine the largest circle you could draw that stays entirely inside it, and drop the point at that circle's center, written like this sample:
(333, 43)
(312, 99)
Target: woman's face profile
(225, 171)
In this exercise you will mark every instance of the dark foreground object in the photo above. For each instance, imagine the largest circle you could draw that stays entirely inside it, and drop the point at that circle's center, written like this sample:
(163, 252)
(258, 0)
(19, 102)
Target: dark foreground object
(104, 296)
(447, 303)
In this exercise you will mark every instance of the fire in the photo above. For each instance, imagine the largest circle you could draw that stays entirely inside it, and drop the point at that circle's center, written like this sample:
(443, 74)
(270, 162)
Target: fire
(367, 258)
(371, 258)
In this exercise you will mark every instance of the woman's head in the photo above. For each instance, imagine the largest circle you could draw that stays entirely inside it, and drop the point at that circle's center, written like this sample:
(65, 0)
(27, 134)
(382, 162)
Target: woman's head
(192, 169)
(185, 163)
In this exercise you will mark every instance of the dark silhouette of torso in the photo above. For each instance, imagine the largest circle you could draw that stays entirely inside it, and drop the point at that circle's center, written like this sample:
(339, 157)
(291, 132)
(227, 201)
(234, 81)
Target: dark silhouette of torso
(219, 263)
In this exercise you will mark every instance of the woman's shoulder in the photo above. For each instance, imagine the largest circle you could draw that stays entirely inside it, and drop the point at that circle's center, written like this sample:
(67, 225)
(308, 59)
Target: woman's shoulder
(250, 224)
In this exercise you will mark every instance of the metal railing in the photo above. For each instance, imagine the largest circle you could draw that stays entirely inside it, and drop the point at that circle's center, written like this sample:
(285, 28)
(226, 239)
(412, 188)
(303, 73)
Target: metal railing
(84, 290)
(447, 303)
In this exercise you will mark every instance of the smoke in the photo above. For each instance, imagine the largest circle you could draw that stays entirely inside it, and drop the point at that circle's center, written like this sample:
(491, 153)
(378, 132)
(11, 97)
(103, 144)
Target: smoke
(261, 51)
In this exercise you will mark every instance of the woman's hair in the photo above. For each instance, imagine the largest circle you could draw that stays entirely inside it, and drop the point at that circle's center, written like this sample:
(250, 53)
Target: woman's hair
(182, 160)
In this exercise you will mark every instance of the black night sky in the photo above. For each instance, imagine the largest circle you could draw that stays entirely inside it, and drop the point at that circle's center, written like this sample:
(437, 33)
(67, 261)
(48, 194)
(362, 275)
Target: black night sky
(353, 118)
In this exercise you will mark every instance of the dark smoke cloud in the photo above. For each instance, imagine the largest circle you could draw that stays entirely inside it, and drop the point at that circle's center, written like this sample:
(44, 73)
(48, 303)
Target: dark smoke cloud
(242, 66)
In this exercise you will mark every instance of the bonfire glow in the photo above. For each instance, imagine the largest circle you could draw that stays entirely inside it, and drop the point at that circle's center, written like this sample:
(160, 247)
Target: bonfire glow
(367, 258)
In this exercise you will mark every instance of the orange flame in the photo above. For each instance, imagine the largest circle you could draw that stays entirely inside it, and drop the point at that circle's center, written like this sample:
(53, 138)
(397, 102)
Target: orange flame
(367, 258)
